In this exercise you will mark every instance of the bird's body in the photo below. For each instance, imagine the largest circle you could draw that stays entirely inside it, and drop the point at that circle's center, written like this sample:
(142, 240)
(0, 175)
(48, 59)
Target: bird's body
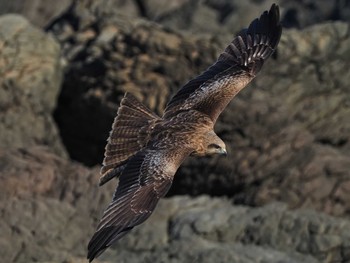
(145, 150)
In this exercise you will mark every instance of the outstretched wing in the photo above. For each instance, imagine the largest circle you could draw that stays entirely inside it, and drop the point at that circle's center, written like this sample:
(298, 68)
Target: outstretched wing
(146, 178)
(235, 68)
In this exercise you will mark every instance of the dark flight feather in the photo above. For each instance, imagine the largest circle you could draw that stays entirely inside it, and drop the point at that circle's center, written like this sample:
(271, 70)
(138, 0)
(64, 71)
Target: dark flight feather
(146, 178)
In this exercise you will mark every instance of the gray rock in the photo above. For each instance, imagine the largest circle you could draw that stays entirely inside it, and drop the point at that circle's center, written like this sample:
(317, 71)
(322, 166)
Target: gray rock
(287, 133)
(289, 142)
(50, 208)
(30, 78)
(304, 13)
(190, 15)
(207, 229)
(38, 12)
(225, 16)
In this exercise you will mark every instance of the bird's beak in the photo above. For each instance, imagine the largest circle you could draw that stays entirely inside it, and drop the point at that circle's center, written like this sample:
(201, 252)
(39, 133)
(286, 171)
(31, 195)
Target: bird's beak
(223, 152)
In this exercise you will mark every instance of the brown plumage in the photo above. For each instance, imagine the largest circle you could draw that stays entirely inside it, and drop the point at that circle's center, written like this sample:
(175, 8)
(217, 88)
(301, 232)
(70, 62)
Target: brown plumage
(145, 150)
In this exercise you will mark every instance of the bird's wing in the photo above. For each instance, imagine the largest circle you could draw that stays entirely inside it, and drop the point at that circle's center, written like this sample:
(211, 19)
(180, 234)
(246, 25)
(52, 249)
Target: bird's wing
(146, 178)
(211, 91)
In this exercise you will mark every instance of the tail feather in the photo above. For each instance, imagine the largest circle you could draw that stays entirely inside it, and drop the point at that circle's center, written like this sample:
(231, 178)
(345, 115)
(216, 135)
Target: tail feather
(130, 132)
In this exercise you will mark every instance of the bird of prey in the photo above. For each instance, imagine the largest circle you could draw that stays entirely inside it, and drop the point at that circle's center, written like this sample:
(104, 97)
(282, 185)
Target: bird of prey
(145, 150)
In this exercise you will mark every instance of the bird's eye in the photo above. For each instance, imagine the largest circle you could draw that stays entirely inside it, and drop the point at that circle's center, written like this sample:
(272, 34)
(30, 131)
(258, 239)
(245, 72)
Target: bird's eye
(215, 146)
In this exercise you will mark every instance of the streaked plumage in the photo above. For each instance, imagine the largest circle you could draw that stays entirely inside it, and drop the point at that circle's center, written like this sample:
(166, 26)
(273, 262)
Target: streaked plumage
(145, 150)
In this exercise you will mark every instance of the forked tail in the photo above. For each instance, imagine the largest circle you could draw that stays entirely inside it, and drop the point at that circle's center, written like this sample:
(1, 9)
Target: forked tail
(130, 132)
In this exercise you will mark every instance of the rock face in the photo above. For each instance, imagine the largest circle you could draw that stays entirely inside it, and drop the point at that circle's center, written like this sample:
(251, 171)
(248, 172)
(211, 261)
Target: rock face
(213, 16)
(50, 207)
(287, 133)
(225, 16)
(38, 12)
(30, 78)
(207, 229)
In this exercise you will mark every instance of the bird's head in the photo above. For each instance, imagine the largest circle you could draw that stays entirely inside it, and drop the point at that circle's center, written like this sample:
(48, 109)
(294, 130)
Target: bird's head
(215, 145)
(215, 148)
(211, 145)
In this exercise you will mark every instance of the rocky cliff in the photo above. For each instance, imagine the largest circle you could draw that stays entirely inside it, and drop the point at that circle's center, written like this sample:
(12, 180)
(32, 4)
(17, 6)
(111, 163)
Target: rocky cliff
(281, 195)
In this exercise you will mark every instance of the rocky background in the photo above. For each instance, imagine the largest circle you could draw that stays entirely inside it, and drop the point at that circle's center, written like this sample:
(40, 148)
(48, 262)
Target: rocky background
(281, 195)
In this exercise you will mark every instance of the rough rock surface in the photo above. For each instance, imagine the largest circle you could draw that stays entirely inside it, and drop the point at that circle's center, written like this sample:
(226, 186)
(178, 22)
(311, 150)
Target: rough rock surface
(287, 133)
(38, 12)
(213, 16)
(50, 207)
(225, 16)
(30, 78)
(205, 229)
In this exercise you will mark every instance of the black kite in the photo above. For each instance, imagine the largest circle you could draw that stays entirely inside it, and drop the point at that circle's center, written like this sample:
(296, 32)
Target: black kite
(145, 150)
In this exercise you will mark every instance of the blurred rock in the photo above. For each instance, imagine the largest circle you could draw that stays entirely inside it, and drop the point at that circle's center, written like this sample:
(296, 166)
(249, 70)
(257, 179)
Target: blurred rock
(224, 16)
(302, 13)
(30, 78)
(38, 12)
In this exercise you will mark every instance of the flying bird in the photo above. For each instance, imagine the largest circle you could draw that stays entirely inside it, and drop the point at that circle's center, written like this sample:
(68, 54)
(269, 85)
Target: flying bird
(145, 150)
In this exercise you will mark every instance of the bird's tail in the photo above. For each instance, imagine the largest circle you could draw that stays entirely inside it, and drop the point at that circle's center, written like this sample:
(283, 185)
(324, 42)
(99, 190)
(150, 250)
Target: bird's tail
(254, 45)
(130, 132)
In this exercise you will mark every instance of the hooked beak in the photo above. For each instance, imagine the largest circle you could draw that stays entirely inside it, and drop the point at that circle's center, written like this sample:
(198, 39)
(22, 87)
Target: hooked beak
(223, 152)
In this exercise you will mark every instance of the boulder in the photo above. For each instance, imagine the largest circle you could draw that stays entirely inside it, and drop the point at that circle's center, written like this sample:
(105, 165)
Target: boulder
(49, 206)
(30, 79)
(38, 12)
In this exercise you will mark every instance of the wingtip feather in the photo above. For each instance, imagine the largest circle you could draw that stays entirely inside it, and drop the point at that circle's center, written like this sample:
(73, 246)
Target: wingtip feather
(252, 46)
